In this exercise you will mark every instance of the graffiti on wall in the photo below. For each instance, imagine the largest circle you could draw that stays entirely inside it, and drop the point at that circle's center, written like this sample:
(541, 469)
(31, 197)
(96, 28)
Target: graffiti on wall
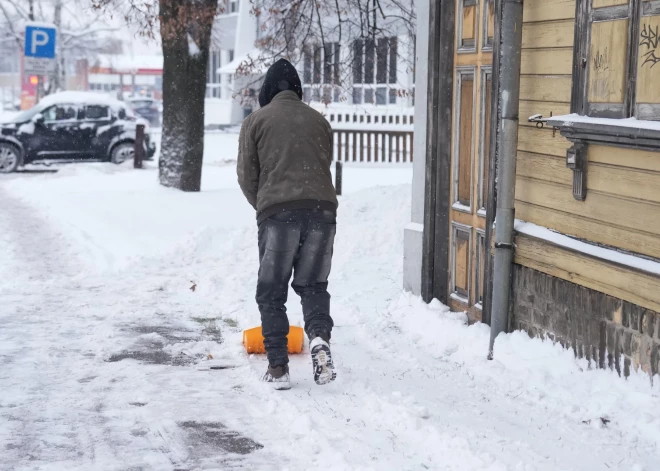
(650, 39)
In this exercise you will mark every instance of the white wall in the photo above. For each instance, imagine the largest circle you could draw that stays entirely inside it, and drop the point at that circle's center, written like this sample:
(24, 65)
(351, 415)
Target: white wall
(413, 234)
(217, 112)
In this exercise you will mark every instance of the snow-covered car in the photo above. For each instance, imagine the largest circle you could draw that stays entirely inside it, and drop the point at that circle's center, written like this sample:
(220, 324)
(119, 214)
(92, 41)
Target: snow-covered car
(147, 108)
(71, 127)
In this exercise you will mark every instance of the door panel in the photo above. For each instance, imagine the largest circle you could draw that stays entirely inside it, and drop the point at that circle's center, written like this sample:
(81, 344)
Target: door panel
(466, 28)
(480, 267)
(463, 151)
(60, 132)
(474, 30)
(460, 261)
(484, 136)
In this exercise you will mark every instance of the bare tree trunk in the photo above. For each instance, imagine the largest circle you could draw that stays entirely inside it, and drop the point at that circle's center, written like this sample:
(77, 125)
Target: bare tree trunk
(186, 33)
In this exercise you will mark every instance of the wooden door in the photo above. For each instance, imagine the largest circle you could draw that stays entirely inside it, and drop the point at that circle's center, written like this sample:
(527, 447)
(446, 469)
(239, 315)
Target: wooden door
(473, 55)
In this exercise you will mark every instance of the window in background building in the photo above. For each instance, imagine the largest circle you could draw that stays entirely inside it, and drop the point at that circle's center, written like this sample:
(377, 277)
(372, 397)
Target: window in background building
(321, 73)
(233, 6)
(375, 71)
(213, 78)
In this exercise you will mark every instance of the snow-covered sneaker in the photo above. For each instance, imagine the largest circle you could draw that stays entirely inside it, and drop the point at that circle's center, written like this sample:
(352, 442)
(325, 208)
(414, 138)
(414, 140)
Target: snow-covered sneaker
(278, 377)
(324, 370)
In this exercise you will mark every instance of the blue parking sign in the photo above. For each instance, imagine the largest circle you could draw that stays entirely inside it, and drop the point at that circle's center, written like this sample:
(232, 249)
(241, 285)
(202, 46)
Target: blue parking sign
(40, 41)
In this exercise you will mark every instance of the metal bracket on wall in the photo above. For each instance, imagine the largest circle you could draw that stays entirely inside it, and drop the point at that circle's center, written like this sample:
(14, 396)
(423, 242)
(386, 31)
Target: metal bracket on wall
(541, 121)
(576, 160)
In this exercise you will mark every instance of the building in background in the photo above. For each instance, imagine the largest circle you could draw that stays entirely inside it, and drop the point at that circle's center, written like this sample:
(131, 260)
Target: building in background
(378, 81)
(125, 76)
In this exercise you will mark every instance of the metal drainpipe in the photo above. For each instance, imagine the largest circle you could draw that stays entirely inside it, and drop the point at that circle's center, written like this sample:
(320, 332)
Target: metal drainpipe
(509, 95)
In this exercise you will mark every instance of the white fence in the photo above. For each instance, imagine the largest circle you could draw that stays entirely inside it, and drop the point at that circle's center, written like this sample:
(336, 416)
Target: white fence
(373, 135)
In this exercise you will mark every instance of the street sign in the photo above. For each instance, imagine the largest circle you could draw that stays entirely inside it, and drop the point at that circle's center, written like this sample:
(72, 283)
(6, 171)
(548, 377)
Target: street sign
(40, 48)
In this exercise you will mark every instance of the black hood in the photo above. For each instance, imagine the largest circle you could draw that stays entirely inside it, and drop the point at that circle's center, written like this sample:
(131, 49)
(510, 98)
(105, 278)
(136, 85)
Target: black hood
(281, 76)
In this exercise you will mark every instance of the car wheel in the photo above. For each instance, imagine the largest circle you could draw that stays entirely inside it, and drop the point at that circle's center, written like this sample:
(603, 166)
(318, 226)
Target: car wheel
(9, 157)
(122, 152)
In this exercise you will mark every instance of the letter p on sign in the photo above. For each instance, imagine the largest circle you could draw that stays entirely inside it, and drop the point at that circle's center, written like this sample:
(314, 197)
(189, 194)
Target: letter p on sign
(40, 41)
(39, 38)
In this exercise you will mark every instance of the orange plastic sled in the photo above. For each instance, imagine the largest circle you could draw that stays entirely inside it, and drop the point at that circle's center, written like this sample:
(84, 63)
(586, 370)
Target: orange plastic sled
(253, 340)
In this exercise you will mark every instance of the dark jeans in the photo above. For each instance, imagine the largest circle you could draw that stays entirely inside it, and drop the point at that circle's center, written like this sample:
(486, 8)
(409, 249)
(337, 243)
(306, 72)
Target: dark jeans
(301, 242)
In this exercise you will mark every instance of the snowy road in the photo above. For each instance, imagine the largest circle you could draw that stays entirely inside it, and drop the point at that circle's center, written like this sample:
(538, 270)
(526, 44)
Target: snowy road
(104, 349)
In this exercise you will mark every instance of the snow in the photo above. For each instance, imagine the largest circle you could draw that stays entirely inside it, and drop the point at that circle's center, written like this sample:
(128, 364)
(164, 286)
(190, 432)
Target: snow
(244, 58)
(26, 128)
(562, 240)
(81, 98)
(7, 116)
(104, 347)
(40, 24)
(415, 226)
(193, 49)
(570, 119)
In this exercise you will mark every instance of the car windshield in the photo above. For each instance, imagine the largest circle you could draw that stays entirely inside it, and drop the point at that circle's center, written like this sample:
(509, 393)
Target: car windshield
(26, 115)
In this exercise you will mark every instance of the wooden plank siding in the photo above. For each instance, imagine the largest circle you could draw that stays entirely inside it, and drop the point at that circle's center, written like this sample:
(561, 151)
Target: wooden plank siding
(616, 280)
(548, 10)
(551, 61)
(622, 208)
(532, 139)
(628, 158)
(590, 229)
(548, 34)
(603, 207)
(555, 88)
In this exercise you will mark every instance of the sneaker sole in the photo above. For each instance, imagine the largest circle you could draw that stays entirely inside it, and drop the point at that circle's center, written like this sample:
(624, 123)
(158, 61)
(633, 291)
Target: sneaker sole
(327, 373)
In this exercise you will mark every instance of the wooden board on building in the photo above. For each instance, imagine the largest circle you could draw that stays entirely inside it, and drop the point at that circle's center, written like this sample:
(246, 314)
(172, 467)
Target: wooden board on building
(556, 88)
(590, 229)
(548, 35)
(623, 212)
(620, 281)
(556, 61)
(531, 139)
(546, 10)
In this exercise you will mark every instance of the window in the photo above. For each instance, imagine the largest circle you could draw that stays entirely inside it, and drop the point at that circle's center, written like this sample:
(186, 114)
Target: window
(617, 47)
(375, 71)
(60, 113)
(213, 78)
(321, 72)
(96, 112)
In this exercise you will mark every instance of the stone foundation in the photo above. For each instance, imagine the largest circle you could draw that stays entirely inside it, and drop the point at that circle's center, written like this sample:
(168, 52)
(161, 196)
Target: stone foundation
(609, 332)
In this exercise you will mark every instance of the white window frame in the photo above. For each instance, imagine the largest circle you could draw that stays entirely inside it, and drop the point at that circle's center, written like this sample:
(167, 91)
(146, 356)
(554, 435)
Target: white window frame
(315, 91)
(390, 85)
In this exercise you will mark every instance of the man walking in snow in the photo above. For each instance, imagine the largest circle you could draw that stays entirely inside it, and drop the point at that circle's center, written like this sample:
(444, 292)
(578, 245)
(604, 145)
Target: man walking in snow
(284, 157)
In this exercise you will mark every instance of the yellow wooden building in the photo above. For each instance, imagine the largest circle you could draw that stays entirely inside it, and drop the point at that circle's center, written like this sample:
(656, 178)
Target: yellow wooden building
(586, 267)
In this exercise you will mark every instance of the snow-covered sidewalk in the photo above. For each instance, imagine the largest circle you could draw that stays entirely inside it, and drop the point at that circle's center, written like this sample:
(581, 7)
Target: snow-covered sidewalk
(105, 346)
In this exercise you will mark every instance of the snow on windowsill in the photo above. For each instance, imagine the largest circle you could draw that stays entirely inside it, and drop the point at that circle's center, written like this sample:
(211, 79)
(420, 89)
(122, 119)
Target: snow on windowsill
(572, 119)
(610, 255)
